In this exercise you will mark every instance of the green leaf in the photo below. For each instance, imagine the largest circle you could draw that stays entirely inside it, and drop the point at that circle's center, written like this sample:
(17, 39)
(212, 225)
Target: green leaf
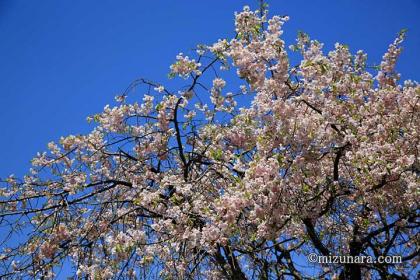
(158, 107)
(171, 75)
(217, 154)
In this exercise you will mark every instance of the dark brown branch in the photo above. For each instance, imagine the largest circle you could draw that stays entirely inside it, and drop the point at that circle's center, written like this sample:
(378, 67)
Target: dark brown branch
(179, 140)
(314, 237)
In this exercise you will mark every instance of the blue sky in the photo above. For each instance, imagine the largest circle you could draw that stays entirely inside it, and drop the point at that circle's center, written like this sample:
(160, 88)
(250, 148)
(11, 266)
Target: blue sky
(61, 61)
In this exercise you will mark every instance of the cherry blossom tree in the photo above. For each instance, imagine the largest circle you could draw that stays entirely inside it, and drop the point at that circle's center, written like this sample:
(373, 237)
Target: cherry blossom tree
(241, 174)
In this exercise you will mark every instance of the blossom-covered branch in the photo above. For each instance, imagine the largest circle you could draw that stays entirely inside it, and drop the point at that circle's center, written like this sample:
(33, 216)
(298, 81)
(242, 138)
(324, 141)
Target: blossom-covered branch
(231, 177)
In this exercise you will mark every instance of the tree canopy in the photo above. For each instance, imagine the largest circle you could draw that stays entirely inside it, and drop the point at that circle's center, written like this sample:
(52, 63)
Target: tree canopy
(241, 174)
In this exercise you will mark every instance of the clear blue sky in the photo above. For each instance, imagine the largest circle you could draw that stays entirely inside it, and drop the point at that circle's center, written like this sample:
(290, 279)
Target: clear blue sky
(63, 60)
